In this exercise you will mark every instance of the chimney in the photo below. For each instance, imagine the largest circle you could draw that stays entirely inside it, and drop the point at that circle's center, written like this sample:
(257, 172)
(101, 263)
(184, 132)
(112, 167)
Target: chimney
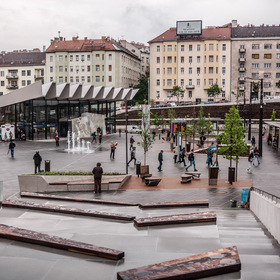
(44, 48)
(234, 23)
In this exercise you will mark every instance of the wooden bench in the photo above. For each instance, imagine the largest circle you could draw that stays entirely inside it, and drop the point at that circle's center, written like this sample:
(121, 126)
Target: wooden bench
(152, 181)
(195, 174)
(186, 178)
(144, 176)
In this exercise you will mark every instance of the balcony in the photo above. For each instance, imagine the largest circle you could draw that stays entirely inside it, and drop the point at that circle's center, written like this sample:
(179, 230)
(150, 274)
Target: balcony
(12, 76)
(242, 59)
(189, 86)
(241, 79)
(242, 50)
(38, 77)
(241, 88)
(242, 69)
(12, 87)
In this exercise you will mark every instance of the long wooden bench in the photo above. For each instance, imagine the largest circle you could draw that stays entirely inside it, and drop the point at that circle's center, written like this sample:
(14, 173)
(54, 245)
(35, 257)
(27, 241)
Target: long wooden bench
(207, 264)
(194, 174)
(152, 181)
(35, 237)
(190, 203)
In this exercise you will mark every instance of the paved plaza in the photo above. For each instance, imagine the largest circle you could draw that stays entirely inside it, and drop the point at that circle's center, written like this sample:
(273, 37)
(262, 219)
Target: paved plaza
(259, 252)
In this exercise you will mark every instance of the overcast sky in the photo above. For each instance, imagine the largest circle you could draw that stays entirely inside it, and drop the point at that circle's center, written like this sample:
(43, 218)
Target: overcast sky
(28, 24)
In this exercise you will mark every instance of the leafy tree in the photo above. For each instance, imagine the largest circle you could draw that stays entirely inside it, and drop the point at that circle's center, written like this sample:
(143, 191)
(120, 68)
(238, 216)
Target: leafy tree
(237, 94)
(171, 116)
(232, 139)
(177, 91)
(214, 91)
(278, 84)
(209, 125)
(273, 116)
(146, 138)
(141, 96)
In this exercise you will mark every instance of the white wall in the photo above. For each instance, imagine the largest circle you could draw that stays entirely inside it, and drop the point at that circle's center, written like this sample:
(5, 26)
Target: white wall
(267, 211)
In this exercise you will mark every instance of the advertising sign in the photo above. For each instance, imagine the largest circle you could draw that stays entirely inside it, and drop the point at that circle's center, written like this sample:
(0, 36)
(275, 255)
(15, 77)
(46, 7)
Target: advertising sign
(193, 27)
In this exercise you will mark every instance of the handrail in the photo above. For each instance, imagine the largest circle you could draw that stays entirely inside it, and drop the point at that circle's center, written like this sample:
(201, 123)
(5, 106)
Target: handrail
(274, 198)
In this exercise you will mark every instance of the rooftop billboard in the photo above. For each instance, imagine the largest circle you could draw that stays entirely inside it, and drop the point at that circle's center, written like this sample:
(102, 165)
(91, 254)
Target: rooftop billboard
(190, 27)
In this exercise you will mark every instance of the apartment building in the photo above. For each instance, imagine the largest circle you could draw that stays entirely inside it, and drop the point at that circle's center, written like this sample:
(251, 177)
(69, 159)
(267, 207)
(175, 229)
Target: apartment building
(194, 62)
(255, 56)
(102, 62)
(21, 68)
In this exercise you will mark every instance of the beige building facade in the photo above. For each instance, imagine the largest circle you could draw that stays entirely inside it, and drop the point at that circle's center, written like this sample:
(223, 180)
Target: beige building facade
(194, 63)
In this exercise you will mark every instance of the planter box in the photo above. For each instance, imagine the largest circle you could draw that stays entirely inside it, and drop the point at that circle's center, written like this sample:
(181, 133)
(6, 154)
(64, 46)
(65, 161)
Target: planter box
(67, 183)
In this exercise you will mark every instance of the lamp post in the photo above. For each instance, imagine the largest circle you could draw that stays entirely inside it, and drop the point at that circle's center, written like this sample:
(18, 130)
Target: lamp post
(126, 146)
(261, 118)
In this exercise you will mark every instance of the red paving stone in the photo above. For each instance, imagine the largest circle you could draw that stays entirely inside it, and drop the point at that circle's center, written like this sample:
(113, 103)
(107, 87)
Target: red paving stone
(135, 183)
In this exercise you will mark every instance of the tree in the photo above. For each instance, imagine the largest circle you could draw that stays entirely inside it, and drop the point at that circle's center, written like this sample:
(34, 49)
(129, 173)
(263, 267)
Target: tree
(177, 91)
(214, 91)
(141, 96)
(237, 94)
(273, 116)
(278, 84)
(171, 116)
(232, 139)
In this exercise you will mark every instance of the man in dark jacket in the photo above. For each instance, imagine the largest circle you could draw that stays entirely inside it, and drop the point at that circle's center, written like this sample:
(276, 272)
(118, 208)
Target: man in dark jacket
(12, 146)
(160, 160)
(97, 173)
(37, 161)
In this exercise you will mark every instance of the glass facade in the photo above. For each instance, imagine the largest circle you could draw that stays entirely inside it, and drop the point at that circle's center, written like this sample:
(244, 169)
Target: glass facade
(40, 118)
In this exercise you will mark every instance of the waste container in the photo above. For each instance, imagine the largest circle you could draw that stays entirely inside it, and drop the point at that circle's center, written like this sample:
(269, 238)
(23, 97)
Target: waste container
(138, 168)
(47, 165)
(188, 147)
(213, 175)
(233, 203)
(231, 174)
(244, 196)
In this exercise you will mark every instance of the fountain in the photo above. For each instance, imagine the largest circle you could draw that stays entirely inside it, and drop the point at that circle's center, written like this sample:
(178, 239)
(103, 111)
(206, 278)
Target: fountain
(76, 145)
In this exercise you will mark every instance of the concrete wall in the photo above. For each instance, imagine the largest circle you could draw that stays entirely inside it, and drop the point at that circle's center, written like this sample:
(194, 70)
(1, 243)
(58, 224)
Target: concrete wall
(268, 211)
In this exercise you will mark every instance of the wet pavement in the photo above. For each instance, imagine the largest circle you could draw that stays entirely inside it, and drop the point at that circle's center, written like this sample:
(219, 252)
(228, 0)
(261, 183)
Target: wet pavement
(259, 252)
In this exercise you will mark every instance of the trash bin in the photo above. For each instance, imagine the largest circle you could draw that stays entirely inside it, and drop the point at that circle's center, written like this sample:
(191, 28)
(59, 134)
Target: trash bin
(47, 165)
(138, 168)
(233, 203)
(231, 174)
(213, 175)
(244, 196)
(188, 147)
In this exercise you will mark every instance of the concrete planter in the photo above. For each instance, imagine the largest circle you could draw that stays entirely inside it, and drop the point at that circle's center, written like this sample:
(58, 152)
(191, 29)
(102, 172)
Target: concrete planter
(67, 183)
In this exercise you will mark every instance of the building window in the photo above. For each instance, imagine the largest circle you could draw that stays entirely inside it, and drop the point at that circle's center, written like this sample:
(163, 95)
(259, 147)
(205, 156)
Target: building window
(255, 46)
(267, 75)
(182, 70)
(51, 58)
(158, 82)
(223, 82)
(267, 65)
(223, 70)
(198, 70)
(277, 65)
(83, 68)
(77, 57)
(88, 57)
(2, 83)
(71, 57)
(190, 70)
(277, 75)
(110, 56)
(211, 70)
(88, 79)
(190, 48)
(255, 65)
(2, 73)
(158, 59)
(190, 94)
(210, 83)
(88, 68)
(82, 57)
(51, 69)
(158, 94)
(267, 56)
(255, 56)
(211, 47)
(169, 59)
(23, 73)
(169, 93)
(169, 70)
(71, 68)
(267, 46)
(198, 59)
(60, 58)
(211, 58)
(158, 48)
(198, 82)
(224, 59)
(28, 82)
(28, 72)
(60, 69)
(77, 68)
(198, 48)
(182, 82)
(267, 85)
(224, 47)
(109, 67)
(190, 59)
(97, 67)
(255, 75)
(169, 82)
(97, 56)
(77, 79)
(110, 79)
(182, 59)
(97, 79)
(169, 48)
(60, 80)
(182, 48)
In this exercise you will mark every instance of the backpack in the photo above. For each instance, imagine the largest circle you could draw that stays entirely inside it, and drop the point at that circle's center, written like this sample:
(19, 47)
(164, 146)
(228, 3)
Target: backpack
(191, 157)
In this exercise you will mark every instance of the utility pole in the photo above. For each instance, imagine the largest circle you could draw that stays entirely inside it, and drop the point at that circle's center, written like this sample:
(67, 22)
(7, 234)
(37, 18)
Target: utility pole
(250, 114)
(261, 118)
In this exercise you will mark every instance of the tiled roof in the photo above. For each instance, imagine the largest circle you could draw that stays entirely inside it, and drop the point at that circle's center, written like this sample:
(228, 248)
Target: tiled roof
(23, 59)
(255, 31)
(219, 33)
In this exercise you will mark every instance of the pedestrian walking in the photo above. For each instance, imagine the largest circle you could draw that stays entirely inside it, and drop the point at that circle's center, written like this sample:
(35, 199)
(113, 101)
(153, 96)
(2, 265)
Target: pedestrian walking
(253, 141)
(256, 155)
(97, 173)
(250, 159)
(182, 156)
(160, 160)
(131, 141)
(12, 146)
(113, 148)
(120, 132)
(191, 160)
(209, 160)
(202, 140)
(215, 159)
(175, 154)
(37, 162)
(132, 156)
(100, 137)
(11, 136)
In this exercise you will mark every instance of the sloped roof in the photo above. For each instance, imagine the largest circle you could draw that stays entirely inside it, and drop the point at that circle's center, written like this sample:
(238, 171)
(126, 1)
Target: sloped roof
(23, 59)
(255, 31)
(218, 33)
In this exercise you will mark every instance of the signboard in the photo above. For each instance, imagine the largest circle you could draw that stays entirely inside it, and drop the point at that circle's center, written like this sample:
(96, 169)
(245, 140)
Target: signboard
(193, 27)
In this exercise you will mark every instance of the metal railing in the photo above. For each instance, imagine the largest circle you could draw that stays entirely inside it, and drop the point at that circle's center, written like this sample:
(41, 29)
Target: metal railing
(267, 195)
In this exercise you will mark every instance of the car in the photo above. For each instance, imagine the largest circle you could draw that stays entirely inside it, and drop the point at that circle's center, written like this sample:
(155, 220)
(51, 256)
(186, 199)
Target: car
(133, 129)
